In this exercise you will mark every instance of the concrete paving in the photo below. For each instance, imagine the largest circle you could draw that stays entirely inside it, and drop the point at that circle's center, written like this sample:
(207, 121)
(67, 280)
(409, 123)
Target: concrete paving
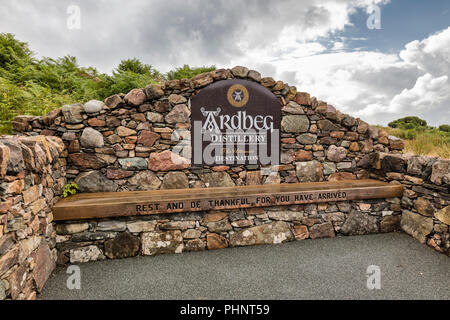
(309, 269)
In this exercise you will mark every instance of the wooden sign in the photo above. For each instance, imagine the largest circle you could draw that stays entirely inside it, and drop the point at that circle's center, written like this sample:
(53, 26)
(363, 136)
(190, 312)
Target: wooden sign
(235, 122)
(101, 205)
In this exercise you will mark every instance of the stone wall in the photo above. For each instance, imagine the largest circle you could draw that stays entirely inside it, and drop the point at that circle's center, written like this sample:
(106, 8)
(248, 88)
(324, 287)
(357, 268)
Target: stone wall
(426, 201)
(126, 143)
(92, 240)
(32, 175)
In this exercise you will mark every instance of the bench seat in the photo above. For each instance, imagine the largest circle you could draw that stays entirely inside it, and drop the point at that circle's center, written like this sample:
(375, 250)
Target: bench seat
(116, 204)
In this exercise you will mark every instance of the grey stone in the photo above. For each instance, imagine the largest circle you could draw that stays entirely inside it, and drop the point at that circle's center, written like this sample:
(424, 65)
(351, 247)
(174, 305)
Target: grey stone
(216, 179)
(272, 233)
(111, 225)
(94, 181)
(73, 113)
(7, 241)
(327, 126)
(416, 225)
(254, 75)
(293, 108)
(177, 225)
(141, 226)
(309, 171)
(195, 245)
(237, 215)
(153, 91)
(155, 117)
(307, 138)
(218, 226)
(285, 215)
(295, 123)
(393, 164)
(336, 154)
(240, 72)
(69, 136)
(86, 254)
(92, 236)
(91, 138)
(359, 223)
(192, 234)
(162, 242)
(16, 162)
(416, 164)
(177, 99)
(133, 163)
(145, 180)
(329, 168)
(175, 180)
(441, 172)
(93, 106)
(71, 228)
(349, 121)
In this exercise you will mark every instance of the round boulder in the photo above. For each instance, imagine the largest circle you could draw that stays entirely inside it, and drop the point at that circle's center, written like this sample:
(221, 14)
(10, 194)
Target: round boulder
(93, 106)
(91, 138)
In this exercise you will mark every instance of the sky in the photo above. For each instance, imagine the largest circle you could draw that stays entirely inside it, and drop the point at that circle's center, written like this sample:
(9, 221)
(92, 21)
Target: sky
(374, 59)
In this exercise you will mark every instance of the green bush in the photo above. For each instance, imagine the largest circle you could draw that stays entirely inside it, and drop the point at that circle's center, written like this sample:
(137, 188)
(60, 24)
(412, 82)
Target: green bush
(408, 123)
(187, 72)
(444, 127)
(33, 86)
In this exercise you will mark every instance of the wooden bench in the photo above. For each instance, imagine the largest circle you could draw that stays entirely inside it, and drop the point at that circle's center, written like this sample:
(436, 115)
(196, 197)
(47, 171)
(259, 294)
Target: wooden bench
(115, 204)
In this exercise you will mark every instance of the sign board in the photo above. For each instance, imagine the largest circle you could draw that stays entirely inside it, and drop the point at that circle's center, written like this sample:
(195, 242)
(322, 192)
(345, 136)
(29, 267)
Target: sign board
(235, 122)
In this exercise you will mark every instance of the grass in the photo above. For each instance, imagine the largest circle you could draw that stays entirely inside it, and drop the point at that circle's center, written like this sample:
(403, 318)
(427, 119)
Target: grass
(423, 141)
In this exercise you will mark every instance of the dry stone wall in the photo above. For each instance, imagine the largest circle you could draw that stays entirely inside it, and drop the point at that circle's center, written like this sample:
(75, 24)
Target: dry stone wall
(426, 200)
(127, 142)
(32, 175)
(130, 141)
(92, 240)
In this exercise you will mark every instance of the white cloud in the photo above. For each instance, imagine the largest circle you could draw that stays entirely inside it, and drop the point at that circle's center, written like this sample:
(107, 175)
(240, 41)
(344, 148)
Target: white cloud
(375, 86)
(431, 54)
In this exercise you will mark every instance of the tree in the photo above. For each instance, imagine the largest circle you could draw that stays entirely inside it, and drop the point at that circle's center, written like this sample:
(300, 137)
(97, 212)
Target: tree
(408, 123)
(186, 72)
(444, 127)
(136, 66)
(13, 52)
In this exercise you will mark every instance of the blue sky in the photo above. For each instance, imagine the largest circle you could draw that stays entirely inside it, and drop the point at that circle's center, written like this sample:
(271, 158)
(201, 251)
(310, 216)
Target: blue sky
(402, 69)
(402, 21)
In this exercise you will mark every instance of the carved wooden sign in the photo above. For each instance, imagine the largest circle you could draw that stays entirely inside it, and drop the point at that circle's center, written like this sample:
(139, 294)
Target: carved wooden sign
(235, 122)
(101, 205)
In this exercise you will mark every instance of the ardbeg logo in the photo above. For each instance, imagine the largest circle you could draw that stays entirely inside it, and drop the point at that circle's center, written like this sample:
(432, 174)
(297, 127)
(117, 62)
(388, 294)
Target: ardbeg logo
(238, 95)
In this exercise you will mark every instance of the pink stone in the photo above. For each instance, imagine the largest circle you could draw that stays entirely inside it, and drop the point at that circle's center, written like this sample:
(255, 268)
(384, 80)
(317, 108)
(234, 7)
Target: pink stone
(336, 154)
(166, 161)
(147, 138)
(135, 97)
